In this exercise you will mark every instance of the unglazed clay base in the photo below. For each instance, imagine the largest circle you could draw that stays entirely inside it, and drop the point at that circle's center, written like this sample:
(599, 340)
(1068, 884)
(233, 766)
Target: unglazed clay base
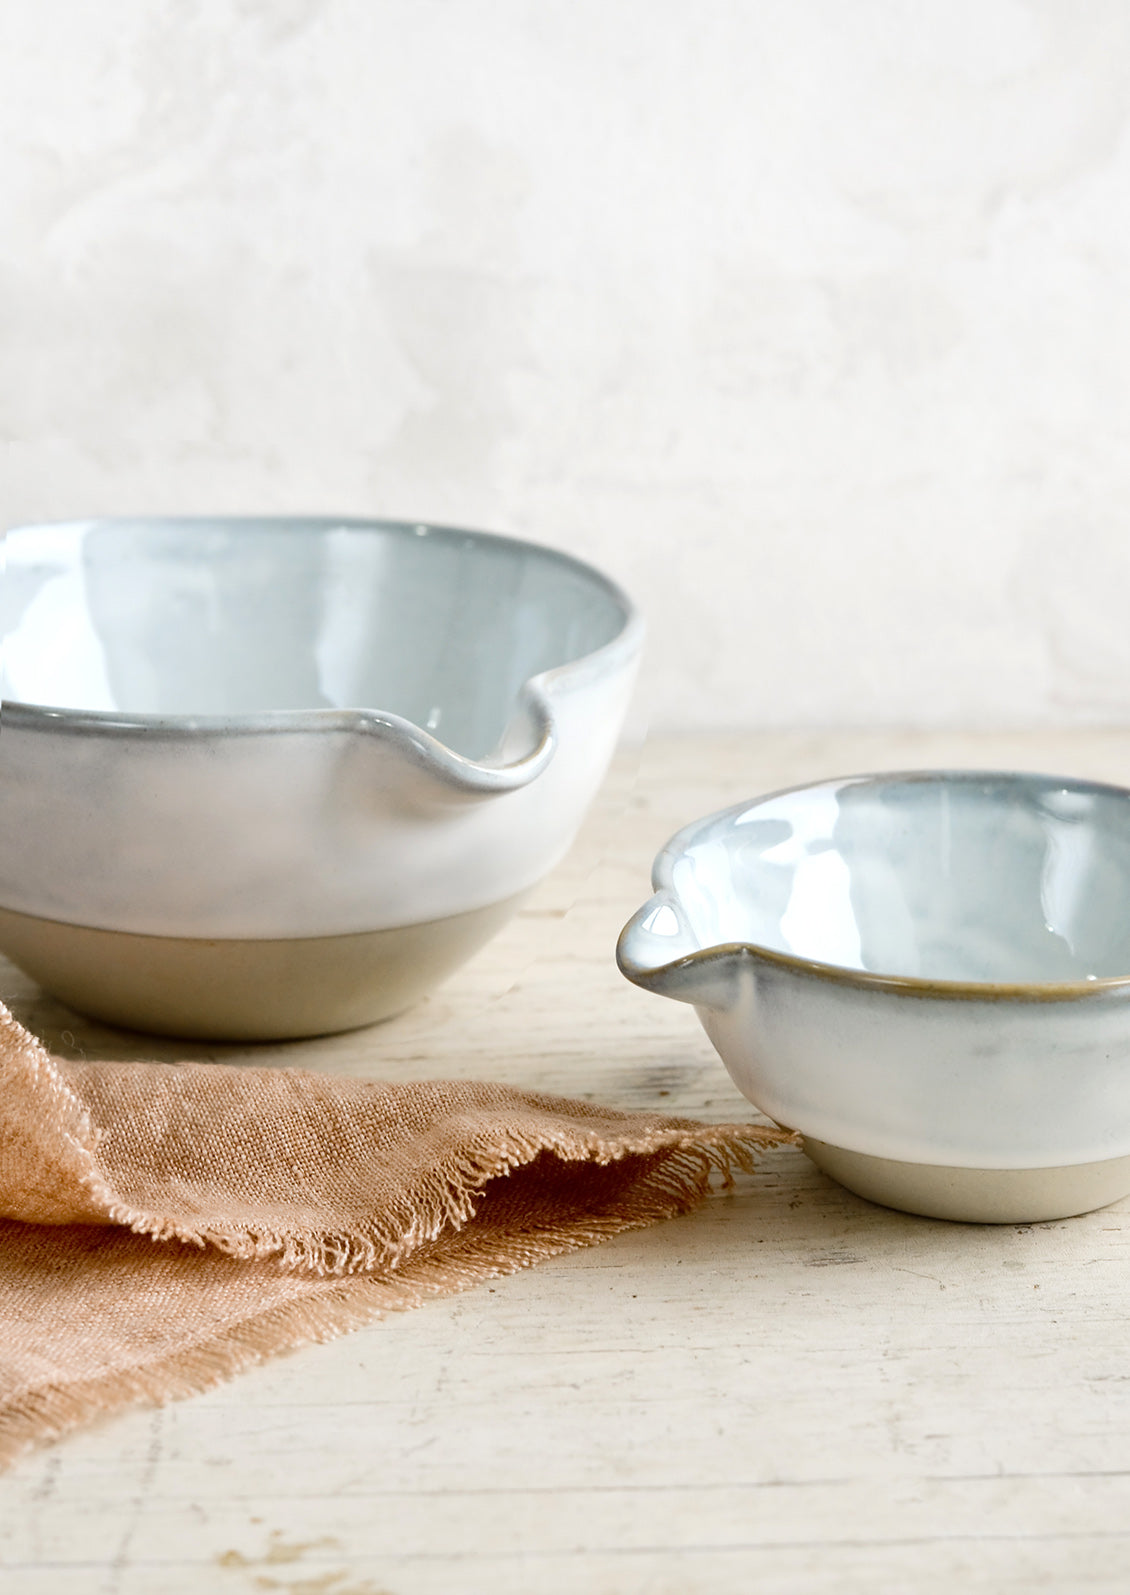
(233, 990)
(978, 1196)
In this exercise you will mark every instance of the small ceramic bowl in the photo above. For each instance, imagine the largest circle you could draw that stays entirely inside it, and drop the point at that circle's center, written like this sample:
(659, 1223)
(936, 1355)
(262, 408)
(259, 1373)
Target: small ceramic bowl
(927, 975)
(264, 778)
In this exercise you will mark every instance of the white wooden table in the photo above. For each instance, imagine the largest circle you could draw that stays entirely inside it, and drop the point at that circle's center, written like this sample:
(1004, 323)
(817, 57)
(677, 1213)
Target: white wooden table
(789, 1391)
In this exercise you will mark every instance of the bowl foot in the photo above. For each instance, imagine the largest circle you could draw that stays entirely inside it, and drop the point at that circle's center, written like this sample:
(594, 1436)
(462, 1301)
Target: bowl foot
(245, 990)
(977, 1196)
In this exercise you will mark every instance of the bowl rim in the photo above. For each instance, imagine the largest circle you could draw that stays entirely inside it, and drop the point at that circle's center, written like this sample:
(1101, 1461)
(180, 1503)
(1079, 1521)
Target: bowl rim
(415, 742)
(665, 895)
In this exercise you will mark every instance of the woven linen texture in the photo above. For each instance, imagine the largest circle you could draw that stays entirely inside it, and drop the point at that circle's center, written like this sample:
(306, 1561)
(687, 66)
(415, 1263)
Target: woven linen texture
(164, 1225)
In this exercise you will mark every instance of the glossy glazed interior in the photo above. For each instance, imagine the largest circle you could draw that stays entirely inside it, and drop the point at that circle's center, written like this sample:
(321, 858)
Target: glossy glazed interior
(232, 618)
(965, 876)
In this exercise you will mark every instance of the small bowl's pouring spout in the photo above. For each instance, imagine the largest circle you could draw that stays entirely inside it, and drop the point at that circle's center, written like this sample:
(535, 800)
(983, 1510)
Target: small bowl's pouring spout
(660, 951)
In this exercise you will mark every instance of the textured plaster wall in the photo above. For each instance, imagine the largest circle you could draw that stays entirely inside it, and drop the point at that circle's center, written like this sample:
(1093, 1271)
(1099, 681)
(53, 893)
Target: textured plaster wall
(806, 318)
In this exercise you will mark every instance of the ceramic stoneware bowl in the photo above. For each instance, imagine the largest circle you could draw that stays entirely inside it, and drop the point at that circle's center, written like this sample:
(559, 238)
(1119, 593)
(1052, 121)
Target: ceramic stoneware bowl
(927, 975)
(264, 778)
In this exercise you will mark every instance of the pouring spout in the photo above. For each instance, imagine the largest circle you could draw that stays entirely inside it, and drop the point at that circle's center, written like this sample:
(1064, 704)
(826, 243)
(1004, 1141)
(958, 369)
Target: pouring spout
(524, 752)
(659, 950)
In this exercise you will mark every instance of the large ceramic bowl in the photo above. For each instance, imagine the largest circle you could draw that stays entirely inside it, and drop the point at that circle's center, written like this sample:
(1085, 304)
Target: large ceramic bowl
(277, 777)
(927, 975)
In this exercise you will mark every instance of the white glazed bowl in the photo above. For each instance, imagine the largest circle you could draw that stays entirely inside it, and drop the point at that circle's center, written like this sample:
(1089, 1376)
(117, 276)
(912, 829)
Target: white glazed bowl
(927, 975)
(276, 777)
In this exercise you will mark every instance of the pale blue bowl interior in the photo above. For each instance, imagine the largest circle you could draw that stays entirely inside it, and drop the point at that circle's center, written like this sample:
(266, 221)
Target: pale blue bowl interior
(962, 876)
(176, 617)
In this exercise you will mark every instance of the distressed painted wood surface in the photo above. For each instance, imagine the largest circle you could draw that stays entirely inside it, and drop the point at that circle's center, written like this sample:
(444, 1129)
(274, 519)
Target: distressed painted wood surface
(789, 1391)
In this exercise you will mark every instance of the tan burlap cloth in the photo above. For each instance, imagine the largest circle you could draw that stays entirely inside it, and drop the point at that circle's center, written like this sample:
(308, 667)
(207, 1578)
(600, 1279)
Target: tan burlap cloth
(164, 1225)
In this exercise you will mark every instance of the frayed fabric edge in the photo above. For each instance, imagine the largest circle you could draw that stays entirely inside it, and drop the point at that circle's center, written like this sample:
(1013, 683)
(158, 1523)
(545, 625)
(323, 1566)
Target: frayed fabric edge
(447, 1197)
(330, 1307)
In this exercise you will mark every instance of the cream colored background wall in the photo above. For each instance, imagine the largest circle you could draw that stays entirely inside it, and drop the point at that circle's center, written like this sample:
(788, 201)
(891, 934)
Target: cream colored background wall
(806, 318)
